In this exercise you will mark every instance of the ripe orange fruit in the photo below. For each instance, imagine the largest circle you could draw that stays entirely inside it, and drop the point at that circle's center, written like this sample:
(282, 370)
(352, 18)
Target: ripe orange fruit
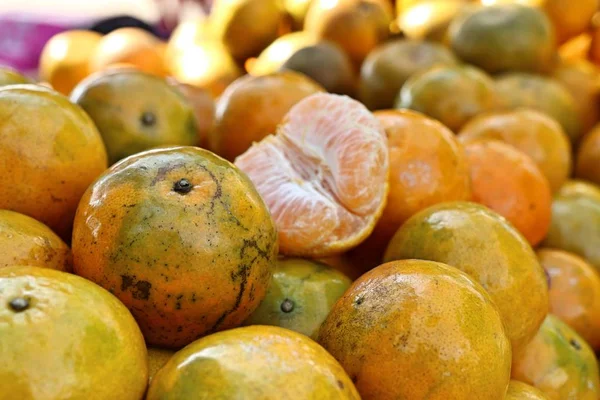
(181, 237)
(50, 152)
(61, 336)
(545, 94)
(522, 195)
(25, 241)
(451, 94)
(357, 26)
(522, 391)
(313, 175)
(252, 107)
(64, 61)
(504, 37)
(489, 249)
(300, 296)
(574, 292)
(570, 18)
(530, 131)
(390, 65)
(588, 156)
(427, 166)
(575, 215)
(429, 19)
(279, 51)
(135, 111)
(415, 329)
(263, 362)
(559, 363)
(133, 46)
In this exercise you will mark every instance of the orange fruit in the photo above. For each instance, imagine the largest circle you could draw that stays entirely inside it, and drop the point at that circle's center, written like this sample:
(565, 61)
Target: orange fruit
(252, 107)
(530, 131)
(64, 60)
(50, 152)
(346, 263)
(429, 19)
(545, 94)
(522, 391)
(133, 46)
(588, 156)
(390, 65)
(313, 175)
(135, 111)
(300, 296)
(574, 292)
(570, 18)
(576, 49)
(61, 336)
(559, 363)
(157, 358)
(575, 217)
(451, 94)
(181, 237)
(279, 51)
(582, 79)
(357, 26)
(522, 196)
(25, 241)
(415, 329)
(504, 37)
(427, 166)
(9, 76)
(489, 249)
(263, 362)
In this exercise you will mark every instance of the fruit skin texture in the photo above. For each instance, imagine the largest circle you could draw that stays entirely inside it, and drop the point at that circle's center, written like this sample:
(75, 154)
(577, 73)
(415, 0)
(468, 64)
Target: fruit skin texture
(75, 340)
(135, 111)
(9, 76)
(253, 106)
(300, 296)
(522, 391)
(64, 60)
(390, 65)
(450, 94)
(588, 155)
(530, 131)
(510, 183)
(187, 261)
(575, 219)
(262, 362)
(545, 94)
(504, 37)
(488, 248)
(25, 241)
(574, 292)
(559, 363)
(50, 152)
(415, 329)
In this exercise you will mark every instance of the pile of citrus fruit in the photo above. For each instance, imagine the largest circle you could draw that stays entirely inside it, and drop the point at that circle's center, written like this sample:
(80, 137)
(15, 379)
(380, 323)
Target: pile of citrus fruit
(307, 199)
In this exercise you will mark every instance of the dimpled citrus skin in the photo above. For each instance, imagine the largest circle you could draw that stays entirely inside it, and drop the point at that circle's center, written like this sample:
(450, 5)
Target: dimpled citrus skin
(559, 363)
(313, 175)
(254, 362)
(187, 260)
(50, 152)
(25, 241)
(574, 292)
(300, 296)
(74, 341)
(415, 329)
(522, 391)
(575, 221)
(483, 244)
(532, 132)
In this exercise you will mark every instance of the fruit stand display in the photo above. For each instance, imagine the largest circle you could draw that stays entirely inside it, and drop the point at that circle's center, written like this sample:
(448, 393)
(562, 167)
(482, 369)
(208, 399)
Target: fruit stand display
(306, 199)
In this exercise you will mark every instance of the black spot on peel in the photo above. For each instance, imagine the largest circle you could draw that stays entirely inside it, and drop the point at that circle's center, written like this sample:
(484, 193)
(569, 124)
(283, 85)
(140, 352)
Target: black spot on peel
(340, 384)
(140, 290)
(19, 304)
(575, 344)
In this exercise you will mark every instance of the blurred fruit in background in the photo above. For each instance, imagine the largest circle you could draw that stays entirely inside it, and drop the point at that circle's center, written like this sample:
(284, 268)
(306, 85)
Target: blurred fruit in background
(9, 76)
(429, 19)
(273, 56)
(588, 154)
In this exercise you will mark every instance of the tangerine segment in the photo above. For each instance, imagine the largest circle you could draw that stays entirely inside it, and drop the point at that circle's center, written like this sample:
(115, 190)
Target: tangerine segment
(324, 175)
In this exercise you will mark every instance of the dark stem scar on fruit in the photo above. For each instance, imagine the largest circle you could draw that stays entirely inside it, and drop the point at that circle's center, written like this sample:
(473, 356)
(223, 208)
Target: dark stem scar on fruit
(575, 344)
(140, 290)
(359, 300)
(287, 306)
(148, 119)
(19, 304)
(182, 186)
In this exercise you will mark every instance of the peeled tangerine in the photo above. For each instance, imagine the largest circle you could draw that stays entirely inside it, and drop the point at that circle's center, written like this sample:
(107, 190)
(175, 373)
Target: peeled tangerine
(323, 176)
